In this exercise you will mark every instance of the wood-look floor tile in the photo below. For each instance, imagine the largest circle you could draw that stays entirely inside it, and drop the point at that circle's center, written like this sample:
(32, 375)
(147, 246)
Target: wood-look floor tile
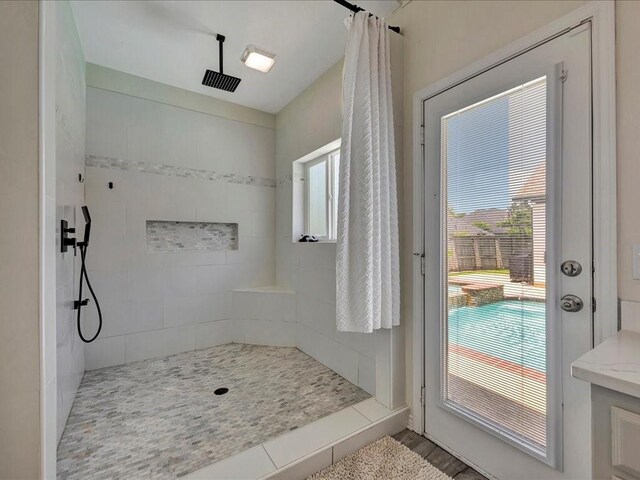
(424, 449)
(446, 462)
(470, 474)
(409, 438)
(438, 457)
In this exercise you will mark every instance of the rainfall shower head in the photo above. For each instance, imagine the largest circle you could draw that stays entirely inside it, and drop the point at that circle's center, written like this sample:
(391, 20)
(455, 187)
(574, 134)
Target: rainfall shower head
(219, 79)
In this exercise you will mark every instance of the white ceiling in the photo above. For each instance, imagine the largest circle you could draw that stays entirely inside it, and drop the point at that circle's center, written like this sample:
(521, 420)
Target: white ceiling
(173, 42)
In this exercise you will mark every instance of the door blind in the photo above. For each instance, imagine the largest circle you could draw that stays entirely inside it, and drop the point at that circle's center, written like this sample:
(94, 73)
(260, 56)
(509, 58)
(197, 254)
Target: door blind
(493, 156)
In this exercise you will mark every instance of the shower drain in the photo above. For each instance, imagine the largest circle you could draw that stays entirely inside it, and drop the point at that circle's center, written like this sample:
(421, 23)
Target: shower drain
(220, 391)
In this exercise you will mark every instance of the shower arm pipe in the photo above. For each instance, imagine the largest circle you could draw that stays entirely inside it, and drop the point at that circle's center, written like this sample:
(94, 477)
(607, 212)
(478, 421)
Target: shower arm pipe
(221, 39)
(355, 9)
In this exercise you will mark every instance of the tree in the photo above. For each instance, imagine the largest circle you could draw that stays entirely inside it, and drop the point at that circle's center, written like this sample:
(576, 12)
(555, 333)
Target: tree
(520, 219)
(453, 213)
(482, 225)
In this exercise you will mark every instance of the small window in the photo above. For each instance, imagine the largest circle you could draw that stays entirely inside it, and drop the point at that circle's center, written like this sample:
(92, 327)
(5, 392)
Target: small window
(321, 195)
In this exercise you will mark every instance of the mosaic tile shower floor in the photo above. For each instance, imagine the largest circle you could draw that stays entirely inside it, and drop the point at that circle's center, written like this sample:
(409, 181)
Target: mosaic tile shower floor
(160, 418)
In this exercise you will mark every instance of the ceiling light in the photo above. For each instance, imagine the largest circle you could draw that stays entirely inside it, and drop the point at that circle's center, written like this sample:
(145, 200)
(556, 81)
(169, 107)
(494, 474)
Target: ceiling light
(258, 59)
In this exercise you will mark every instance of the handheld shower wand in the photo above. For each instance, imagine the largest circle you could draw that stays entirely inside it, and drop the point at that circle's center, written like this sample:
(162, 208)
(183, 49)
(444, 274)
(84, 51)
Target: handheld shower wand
(78, 304)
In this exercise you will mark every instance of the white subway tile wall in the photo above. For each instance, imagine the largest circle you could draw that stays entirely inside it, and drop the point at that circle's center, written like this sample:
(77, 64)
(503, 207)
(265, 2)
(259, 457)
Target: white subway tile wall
(309, 269)
(310, 121)
(157, 303)
(184, 223)
(69, 193)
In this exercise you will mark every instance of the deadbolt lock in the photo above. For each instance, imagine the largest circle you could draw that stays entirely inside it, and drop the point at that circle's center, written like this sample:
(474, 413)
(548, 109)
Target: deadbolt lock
(571, 268)
(571, 303)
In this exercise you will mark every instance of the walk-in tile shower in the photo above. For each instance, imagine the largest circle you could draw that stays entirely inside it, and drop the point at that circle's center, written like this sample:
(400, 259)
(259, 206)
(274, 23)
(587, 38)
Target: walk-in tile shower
(168, 417)
(218, 328)
(183, 258)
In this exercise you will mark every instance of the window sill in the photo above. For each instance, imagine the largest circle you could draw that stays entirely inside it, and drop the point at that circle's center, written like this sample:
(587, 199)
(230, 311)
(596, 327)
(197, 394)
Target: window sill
(314, 243)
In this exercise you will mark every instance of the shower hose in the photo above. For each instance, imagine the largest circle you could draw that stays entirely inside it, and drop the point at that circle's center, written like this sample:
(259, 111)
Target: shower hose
(80, 303)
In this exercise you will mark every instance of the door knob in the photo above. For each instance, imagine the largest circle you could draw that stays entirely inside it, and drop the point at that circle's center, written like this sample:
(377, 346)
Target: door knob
(571, 303)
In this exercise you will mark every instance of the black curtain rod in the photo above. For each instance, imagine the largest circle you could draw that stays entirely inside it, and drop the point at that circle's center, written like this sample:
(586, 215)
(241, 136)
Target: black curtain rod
(356, 9)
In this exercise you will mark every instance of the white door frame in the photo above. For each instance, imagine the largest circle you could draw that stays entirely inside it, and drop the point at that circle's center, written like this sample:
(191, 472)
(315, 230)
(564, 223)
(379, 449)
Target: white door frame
(47, 201)
(602, 16)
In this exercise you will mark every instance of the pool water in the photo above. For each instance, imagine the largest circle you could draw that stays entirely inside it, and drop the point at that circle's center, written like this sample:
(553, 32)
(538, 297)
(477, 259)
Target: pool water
(510, 330)
(454, 289)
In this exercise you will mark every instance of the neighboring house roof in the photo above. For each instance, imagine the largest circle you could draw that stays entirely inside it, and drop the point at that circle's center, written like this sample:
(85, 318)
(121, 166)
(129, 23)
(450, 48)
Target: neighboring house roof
(468, 223)
(535, 186)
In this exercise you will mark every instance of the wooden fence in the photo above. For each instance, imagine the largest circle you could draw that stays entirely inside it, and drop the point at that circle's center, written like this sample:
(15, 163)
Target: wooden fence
(486, 252)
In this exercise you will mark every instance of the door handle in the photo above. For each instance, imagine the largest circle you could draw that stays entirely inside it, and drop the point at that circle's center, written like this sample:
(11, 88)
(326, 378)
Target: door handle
(571, 303)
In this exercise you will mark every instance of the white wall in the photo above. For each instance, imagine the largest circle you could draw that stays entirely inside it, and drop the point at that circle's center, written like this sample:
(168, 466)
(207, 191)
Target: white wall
(157, 304)
(19, 176)
(627, 127)
(70, 146)
(264, 316)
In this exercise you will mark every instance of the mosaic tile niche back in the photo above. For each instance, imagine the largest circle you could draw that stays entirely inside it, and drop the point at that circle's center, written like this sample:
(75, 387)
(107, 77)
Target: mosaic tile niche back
(163, 236)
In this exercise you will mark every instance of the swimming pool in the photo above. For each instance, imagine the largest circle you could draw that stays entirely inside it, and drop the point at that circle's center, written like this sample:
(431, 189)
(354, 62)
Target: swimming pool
(454, 289)
(510, 330)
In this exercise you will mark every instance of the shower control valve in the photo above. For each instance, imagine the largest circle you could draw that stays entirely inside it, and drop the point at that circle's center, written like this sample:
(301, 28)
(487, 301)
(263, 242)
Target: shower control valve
(65, 240)
(77, 304)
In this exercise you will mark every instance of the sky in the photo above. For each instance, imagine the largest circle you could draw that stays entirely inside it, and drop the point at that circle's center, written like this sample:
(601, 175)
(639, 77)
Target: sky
(478, 157)
(493, 147)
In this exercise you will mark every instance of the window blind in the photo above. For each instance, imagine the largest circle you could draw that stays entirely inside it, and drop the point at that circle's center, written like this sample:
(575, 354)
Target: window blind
(493, 156)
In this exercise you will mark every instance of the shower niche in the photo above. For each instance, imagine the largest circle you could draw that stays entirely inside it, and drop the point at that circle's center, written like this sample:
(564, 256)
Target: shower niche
(173, 236)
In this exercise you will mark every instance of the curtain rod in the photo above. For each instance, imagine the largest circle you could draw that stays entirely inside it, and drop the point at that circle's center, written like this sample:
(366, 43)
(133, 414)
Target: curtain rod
(355, 9)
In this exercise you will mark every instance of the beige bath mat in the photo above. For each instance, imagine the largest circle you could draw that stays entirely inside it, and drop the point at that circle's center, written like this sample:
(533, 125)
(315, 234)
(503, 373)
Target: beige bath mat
(386, 459)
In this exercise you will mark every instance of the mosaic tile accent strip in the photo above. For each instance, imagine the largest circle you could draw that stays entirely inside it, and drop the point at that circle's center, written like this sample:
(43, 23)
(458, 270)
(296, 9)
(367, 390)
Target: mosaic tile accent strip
(286, 179)
(160, 418)
(163, 236)
(174, 171)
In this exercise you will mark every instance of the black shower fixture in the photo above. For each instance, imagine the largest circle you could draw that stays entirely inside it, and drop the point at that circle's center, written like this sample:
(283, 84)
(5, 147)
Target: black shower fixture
(78, 304)
(219, 79)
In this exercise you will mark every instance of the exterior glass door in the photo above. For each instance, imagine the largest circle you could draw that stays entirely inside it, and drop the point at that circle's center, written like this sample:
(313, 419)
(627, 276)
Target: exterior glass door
(507, 226)
(493, 168)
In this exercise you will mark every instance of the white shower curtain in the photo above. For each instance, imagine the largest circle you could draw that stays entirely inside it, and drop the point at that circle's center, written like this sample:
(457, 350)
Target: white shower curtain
(367, 259)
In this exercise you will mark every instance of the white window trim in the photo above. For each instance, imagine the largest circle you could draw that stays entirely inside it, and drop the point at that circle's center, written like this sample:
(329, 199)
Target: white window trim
(601, 14)
(298, 214)
(307, 196)
(331, 212)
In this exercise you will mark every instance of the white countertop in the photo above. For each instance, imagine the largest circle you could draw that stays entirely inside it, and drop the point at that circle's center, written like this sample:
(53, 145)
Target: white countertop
(614, 364)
